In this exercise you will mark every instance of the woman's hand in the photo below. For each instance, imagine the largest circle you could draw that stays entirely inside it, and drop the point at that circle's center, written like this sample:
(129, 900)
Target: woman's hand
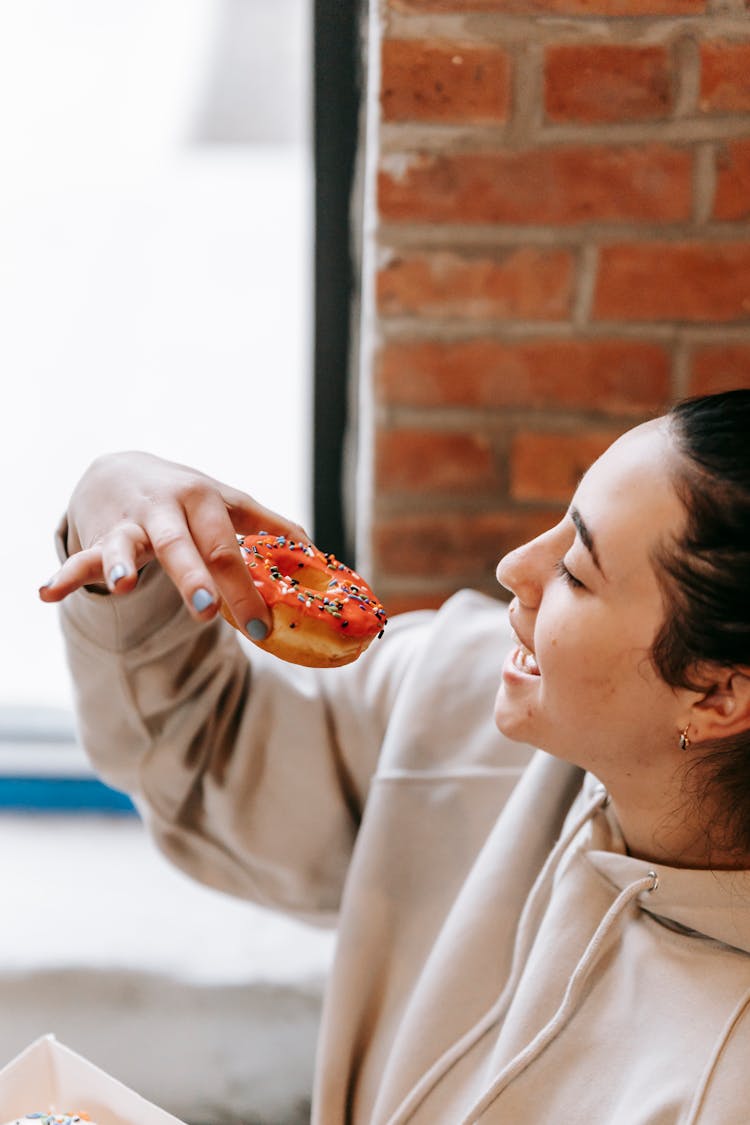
(129, 508)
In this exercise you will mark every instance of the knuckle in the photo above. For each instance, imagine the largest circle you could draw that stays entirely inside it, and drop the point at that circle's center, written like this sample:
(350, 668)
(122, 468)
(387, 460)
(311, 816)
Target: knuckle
(245, 599)
(246, 602)
(223, 556)
(193, 490)
(167, 539)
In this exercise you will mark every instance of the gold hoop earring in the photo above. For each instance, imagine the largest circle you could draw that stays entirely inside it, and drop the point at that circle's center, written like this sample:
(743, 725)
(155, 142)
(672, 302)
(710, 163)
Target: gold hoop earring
(684, 740)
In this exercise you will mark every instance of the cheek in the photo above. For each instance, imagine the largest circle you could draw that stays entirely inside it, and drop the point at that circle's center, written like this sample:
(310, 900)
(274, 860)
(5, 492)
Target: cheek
(594, 676)
(579, 659)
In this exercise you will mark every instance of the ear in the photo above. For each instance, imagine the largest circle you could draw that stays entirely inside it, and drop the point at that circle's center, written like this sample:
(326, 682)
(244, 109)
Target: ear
(724, 709)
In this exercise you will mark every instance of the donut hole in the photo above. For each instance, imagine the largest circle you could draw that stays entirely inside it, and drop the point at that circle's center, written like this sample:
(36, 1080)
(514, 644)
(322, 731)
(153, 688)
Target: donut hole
(311, 578)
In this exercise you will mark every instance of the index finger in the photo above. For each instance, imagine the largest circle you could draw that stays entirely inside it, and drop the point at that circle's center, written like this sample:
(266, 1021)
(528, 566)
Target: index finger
(215, 537)
(203, 561)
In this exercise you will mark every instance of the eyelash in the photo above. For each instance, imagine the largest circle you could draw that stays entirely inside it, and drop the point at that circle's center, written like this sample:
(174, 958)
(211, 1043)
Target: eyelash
(566, 576)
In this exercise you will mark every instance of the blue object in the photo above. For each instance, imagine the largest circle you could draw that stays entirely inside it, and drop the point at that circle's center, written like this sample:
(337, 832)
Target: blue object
(63, 794)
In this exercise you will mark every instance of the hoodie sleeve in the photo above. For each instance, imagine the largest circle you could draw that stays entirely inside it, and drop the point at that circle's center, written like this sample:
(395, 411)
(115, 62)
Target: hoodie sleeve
(250, 773)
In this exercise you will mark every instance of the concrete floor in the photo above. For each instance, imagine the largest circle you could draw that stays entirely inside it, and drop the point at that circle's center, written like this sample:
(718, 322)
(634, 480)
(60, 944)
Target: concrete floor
(205, 1005)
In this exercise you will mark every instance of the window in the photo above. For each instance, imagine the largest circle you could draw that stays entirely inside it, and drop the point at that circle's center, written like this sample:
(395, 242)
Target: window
(155, 275)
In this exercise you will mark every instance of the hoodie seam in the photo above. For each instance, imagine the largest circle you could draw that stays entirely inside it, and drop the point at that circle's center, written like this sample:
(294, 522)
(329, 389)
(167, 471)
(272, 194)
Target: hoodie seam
(477, 773)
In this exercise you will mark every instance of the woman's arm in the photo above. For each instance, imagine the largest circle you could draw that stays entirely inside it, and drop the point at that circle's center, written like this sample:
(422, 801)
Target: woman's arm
(251, 773)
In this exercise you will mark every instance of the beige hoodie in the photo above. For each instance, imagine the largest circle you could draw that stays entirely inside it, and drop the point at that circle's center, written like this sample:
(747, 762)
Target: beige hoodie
(500, 958)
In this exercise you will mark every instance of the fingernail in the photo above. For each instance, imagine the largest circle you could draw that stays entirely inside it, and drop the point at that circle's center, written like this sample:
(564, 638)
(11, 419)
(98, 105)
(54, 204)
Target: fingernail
(201, 600)
(256, 629)
(116, 573)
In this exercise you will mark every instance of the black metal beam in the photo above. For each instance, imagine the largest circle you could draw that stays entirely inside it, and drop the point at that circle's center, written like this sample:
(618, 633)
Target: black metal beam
(336, 108)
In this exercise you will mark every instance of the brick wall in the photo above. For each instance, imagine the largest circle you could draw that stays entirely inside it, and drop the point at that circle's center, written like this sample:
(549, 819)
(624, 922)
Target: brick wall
(557, 244)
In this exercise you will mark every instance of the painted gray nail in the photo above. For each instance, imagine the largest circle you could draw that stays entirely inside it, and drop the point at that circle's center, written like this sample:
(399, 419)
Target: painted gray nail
(116, 573)
(201, 599)
(257, 630)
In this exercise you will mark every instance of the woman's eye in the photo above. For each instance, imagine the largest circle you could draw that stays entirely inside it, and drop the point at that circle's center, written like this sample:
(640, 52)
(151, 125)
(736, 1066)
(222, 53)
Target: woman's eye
(566, 576)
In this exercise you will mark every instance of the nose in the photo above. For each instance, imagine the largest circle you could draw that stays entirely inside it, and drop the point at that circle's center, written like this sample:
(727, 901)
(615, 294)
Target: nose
(518, 572)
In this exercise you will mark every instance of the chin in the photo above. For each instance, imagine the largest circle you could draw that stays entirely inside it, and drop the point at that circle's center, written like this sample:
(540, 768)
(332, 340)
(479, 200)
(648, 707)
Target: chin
(514, 722)
(518, 722)
(520, 727)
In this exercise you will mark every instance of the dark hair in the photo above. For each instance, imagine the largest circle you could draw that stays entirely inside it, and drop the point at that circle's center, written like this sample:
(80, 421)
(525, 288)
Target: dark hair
(705, 576)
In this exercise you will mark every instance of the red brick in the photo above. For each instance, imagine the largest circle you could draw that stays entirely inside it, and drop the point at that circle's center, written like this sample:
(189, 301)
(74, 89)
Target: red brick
(725, 77)
(692, 282)
(574, 184)
(732, 199)
(545, 466)
(556, 7)
(524, 283)
(619, 376)
(455, 543)
(723, 367)
(607, 83)
(427, 80)
(409, 460)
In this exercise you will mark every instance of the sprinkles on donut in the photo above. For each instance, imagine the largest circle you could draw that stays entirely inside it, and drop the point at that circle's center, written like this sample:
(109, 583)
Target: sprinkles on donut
(324, 614)
(53, 1119)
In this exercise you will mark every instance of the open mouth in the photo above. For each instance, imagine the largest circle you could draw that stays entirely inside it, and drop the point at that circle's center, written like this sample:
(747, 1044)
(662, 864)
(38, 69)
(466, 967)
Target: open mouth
(525, 661)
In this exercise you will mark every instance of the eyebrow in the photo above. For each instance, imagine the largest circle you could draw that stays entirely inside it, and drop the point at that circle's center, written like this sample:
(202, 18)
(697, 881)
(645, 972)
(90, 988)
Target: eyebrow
(586, 538)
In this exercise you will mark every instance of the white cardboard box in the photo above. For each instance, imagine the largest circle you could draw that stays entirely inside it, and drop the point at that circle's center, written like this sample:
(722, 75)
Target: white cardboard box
(49, 1076)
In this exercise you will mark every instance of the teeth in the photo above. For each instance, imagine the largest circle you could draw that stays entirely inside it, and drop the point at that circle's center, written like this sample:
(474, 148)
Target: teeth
(526, 661)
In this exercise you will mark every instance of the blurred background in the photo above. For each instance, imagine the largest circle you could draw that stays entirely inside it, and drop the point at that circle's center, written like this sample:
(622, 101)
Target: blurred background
(155, 266)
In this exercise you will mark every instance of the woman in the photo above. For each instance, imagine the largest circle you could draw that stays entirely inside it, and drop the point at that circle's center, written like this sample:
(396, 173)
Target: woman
(555, 936)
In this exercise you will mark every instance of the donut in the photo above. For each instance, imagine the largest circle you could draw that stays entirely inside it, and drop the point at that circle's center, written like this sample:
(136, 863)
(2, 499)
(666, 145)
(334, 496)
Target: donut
(50, 1118)
(324, 615)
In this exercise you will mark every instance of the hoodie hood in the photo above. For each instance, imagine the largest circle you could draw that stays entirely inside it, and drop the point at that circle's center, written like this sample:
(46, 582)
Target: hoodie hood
(711, 904)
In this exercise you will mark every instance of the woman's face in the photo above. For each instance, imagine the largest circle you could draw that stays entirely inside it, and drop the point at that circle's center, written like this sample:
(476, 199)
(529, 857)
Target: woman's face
(587, 608)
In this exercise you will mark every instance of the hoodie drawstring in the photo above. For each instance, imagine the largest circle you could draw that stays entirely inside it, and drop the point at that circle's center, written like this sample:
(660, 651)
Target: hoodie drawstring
(570, 1000)
(525, 934)
(726, 1032)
